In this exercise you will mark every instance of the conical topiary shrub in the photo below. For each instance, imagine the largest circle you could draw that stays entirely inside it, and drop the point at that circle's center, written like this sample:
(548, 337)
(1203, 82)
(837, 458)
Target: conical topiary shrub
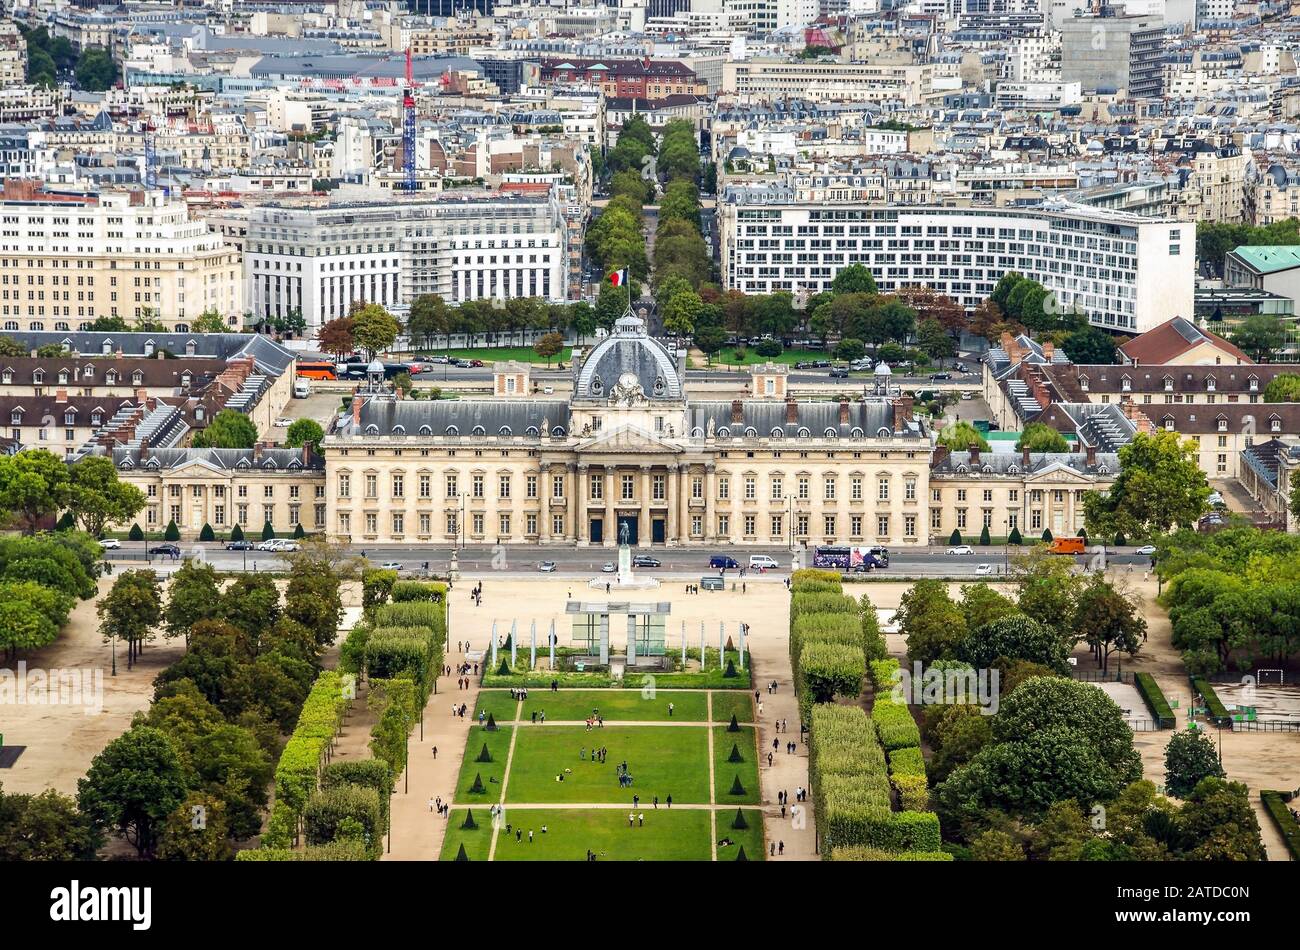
(135, 534)
(506, 646)
(469, 824)
(462, 856)
(268, 532)
(733, 726)
(1014, 537)
(984, 536)
(735, 754)
(172, 533)
(298, 531)
(236, 533)
(1120, 540)
(955, 537)
(477, 788)
(739, 823)
(1047, 534)
(207, 534)
(740, 855)
(736, 787)
(730, 671)
(504, 668)
(490, 726)
(484, 755)
(730, 647)
(67, 522)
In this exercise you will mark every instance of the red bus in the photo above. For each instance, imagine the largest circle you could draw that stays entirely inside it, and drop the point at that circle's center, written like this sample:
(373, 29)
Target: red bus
(316, 370)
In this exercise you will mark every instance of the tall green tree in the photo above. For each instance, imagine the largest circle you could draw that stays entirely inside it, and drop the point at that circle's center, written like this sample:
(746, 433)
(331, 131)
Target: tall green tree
(131, 611)
(192, 595)
(34, 483)
(304, 432)
(99, 498)
(1190, 757)
(229, 429)
(1160, 486)
(133, 785)
(374, 329)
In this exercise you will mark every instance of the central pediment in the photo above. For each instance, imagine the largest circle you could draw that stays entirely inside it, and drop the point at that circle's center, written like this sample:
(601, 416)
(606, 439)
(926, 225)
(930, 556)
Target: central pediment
(626, 439)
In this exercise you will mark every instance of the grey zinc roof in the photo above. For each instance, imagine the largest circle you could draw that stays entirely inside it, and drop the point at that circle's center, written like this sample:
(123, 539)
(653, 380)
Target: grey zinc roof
(466, 415)
(1008, 463)
(625, 352)
(766, 416)
(225, 459)
(270, 357)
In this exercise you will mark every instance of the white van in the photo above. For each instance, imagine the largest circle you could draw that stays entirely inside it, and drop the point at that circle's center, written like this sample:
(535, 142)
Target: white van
(301, 389)
(762, 562)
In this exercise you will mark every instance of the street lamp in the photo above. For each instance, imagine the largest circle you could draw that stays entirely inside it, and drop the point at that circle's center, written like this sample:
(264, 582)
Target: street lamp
(1006, 546)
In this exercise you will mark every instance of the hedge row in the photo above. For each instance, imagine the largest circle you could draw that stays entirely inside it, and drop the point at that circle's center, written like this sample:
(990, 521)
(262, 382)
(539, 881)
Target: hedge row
(348, 849)
(821, 603)
(298, 772)
(894, 723)
(828, 670)
(883, 674)
(1286, 823)
(873, 854)
(1217, 711)
(427, 591)
(1154, 697)
(815, 578)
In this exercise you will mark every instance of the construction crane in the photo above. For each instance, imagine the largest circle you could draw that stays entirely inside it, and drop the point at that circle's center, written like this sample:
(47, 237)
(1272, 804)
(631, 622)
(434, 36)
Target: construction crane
(408, 126)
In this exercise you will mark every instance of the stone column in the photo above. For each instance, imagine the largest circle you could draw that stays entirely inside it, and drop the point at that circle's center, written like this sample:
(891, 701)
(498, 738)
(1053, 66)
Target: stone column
(710, 490)
(644, 533)
(673, 497)
(611, 519)
(579, 526)
(685, 502)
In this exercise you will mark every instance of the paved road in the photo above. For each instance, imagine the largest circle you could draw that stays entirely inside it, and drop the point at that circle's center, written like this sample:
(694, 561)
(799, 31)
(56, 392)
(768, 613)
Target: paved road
(575, 562)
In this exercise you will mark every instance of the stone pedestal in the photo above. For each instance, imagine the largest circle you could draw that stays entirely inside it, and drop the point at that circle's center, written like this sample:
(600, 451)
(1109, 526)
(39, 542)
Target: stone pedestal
(625, 565)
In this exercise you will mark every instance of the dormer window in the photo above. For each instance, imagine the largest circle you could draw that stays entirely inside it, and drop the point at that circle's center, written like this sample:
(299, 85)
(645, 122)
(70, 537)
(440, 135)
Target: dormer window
(185, 380)
(1169, 424)
(148, 347)
(1169, 384)
(63, 375)
(189, 348)
(8, 376)
(1223, 424)
(199, 413)
(16, 417)
(1125, 384)
(111, 377)
(1275, 424)
(1083, 383)
(96, 418)
(1209, 384)
(137, 378)
(38, 377)
(89, 371)
(1254, 384)
(70, 418)
(107, 347)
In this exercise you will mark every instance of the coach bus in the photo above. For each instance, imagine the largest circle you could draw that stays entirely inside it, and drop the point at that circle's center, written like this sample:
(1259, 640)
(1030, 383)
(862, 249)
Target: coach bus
(856, 559)
(317, 370)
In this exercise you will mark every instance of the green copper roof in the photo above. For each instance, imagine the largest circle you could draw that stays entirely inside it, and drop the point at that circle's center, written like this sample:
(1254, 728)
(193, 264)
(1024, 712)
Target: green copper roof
(1267, 258)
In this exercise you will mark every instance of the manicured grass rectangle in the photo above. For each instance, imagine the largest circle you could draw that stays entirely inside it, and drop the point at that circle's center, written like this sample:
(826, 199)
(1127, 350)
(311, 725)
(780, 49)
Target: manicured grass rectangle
(725, 772)
(498, 744)
(749, 838)
(727, 702)
(498, 703)
(477, 841)
(667, 835)
(663, 761)
(626, 705)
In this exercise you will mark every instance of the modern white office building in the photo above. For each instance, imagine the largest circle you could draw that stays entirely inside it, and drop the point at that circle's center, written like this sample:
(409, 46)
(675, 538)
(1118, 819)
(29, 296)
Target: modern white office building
(1129, 273)
(319, 261)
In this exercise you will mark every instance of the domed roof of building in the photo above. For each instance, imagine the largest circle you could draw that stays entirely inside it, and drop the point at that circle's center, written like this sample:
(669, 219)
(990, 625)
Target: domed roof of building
(625, 361)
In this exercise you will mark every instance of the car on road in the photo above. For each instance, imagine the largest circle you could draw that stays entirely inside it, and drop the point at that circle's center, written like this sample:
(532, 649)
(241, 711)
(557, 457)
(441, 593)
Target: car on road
(283, 423)
(1147, 549)
(764, 562)
(475, 364)
(960, 549)
(940, 376)
(722, 562)
(546, 567)
(961, 367)
(278, 544)
(821, 364)
(608, 568)
(803, 364)
(108, 543)
(983, 570)
(240, 546)
(645, 560)
(170, 550)
(839, 372)
(438, 359)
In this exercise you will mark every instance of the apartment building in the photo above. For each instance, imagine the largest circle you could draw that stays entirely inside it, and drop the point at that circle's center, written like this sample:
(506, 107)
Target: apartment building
(763, 79)
(1105, 52)
(1128, 273)
(319, 261)
(68, 258)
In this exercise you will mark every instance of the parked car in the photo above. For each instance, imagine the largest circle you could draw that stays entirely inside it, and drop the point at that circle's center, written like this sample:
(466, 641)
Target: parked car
(239, 546)
(940, 376)
(982, 570)
(278, 544)
(169, 549)
(283, 423)
(763, 562)
(961, 549)
(821, 364)
(839, 372)
(109, 543)
(391, 565)
(803, 364)
(722, 562)
(475, 364)
(1146, 549)
(608, 568)
(546, 567)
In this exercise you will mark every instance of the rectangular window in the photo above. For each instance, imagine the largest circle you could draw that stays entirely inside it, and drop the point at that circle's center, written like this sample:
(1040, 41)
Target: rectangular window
(399, 486)
(803, 486)
(597, 487)
(476, 486)
(426, 486)
(855, 526)
(751, 487)
(503, 486)
(399, 522)
(629, 487)
(453, 490)
(751, 525)
(504, 525)
(530, 486)
(828, 526)
(882, 526)
(557, 486)
(372, 486)
(855, 488)
(557, 524)
(829, 488)
(882, 493)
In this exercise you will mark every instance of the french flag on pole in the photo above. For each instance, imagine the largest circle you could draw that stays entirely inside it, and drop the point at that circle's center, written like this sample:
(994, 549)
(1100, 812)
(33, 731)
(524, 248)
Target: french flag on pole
(618, 278)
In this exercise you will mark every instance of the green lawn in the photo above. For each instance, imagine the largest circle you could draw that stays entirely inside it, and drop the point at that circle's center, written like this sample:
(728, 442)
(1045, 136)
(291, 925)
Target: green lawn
(667, 835)
(498, 744)
(727, 355)
(663, 761)
(628, 705)
(725, 771)
(750, 838)
(726, 703)
(478, 841)
(491, 354)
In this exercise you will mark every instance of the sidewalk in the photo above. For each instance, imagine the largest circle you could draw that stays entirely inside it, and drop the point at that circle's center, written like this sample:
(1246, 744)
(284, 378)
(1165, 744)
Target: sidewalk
(788, 772)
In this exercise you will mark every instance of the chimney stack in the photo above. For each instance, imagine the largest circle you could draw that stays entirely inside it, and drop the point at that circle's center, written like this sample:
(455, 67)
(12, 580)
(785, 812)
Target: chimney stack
(1049, 348)
(902, 413)
(306, 454)
(974, 453)
(941, 452)
(356, 410)
(257, 450)
(1092, 456)
(737, 412)
(144, 448)
(60, 395)
(844, 410)
(791, 411)
(1024, 456)
(141, 395)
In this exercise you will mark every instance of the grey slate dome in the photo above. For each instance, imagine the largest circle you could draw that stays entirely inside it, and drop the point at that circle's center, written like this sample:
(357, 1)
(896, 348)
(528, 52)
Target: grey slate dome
(629, 357)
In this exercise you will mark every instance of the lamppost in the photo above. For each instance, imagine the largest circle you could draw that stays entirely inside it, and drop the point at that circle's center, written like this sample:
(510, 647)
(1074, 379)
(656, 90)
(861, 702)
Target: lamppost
(1006, 546)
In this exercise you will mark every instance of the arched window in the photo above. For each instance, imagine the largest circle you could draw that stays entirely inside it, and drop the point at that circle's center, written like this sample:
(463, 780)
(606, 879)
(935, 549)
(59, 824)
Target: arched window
(398, 430)
(724, 433)
(505, 431)
(751, 432)
(372, 429)
(777, 432)
(452, 430)
(557, 432)
(857, 433)
(532, 432)
(803, 432)
(426, 430)
(478, 430)
(831, 433)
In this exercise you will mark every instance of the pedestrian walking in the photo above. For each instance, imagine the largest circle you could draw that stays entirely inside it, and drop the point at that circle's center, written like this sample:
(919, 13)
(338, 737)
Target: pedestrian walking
(435, 752)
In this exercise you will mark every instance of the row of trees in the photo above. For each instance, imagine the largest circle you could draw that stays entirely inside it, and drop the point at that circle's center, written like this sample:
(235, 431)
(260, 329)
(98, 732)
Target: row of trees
(191, 775)
(49, 58)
